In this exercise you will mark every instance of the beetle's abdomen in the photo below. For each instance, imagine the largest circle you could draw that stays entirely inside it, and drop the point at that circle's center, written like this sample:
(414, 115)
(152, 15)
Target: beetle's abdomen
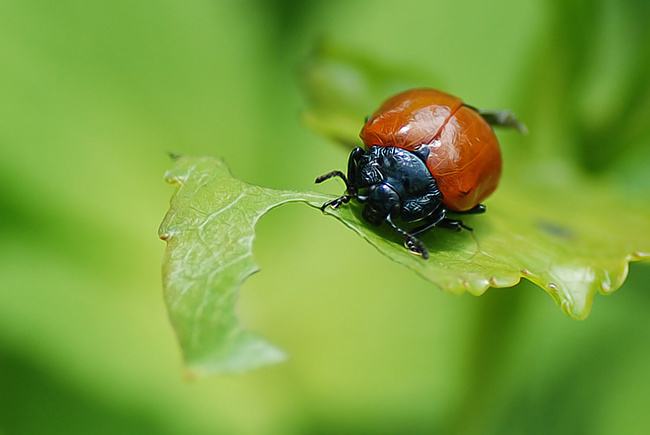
(464, 156)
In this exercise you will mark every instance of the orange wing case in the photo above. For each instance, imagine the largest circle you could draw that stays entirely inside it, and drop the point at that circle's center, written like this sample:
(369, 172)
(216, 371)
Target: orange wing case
(464, 155)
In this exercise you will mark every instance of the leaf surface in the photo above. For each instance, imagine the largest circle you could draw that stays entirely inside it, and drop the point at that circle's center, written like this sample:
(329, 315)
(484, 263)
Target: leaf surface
(210, 228)
(571, 235)
(209, 231)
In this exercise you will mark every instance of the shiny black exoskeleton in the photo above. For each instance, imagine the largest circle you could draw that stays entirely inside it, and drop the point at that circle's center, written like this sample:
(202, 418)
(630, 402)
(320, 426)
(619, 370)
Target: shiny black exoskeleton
(395, 186)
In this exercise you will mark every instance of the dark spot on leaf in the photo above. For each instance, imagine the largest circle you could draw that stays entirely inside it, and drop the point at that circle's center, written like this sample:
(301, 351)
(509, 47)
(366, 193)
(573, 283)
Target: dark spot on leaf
(555, 229)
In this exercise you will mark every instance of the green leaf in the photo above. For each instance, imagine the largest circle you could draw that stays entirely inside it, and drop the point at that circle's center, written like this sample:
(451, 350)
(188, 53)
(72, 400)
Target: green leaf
(210, 227)
(565, 243)
(570, 235)
(209, 231)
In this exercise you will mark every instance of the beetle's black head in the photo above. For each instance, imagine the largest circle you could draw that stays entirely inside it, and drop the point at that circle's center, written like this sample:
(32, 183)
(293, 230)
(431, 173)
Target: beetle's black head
(366, 182)
(381, 201)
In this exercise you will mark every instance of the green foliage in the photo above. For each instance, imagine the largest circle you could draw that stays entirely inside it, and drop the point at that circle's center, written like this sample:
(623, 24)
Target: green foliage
(571, 236)
(542, 241)
(209, 232)
(211, 225)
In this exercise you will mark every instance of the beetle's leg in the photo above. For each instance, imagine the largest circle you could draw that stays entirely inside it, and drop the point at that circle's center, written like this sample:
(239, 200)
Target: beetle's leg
(349, 180)
(336, 203)
(501, 118)
(454, 225)
(440, 219)
(433, 220)
(411, 242)
(477, 209)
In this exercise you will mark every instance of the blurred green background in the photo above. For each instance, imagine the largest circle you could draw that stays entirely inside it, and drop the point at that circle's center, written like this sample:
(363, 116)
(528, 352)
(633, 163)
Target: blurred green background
(93, 95)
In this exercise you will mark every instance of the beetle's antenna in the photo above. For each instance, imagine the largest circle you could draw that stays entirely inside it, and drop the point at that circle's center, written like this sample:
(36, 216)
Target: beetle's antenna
(333, 174)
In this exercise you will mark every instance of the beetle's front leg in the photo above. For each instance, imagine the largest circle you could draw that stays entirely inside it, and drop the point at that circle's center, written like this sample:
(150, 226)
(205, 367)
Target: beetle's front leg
(336, 203)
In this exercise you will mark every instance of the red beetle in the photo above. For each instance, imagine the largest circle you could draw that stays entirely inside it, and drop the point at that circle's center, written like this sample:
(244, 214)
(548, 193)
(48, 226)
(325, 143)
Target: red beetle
(428, 153)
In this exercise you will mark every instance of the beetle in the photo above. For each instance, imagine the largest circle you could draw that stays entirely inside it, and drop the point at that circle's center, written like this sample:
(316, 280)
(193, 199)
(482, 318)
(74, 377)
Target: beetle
(427, 154)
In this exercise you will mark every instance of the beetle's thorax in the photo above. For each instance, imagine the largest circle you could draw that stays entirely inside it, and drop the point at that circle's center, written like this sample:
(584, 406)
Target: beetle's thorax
(405, 172)
(396, 182)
